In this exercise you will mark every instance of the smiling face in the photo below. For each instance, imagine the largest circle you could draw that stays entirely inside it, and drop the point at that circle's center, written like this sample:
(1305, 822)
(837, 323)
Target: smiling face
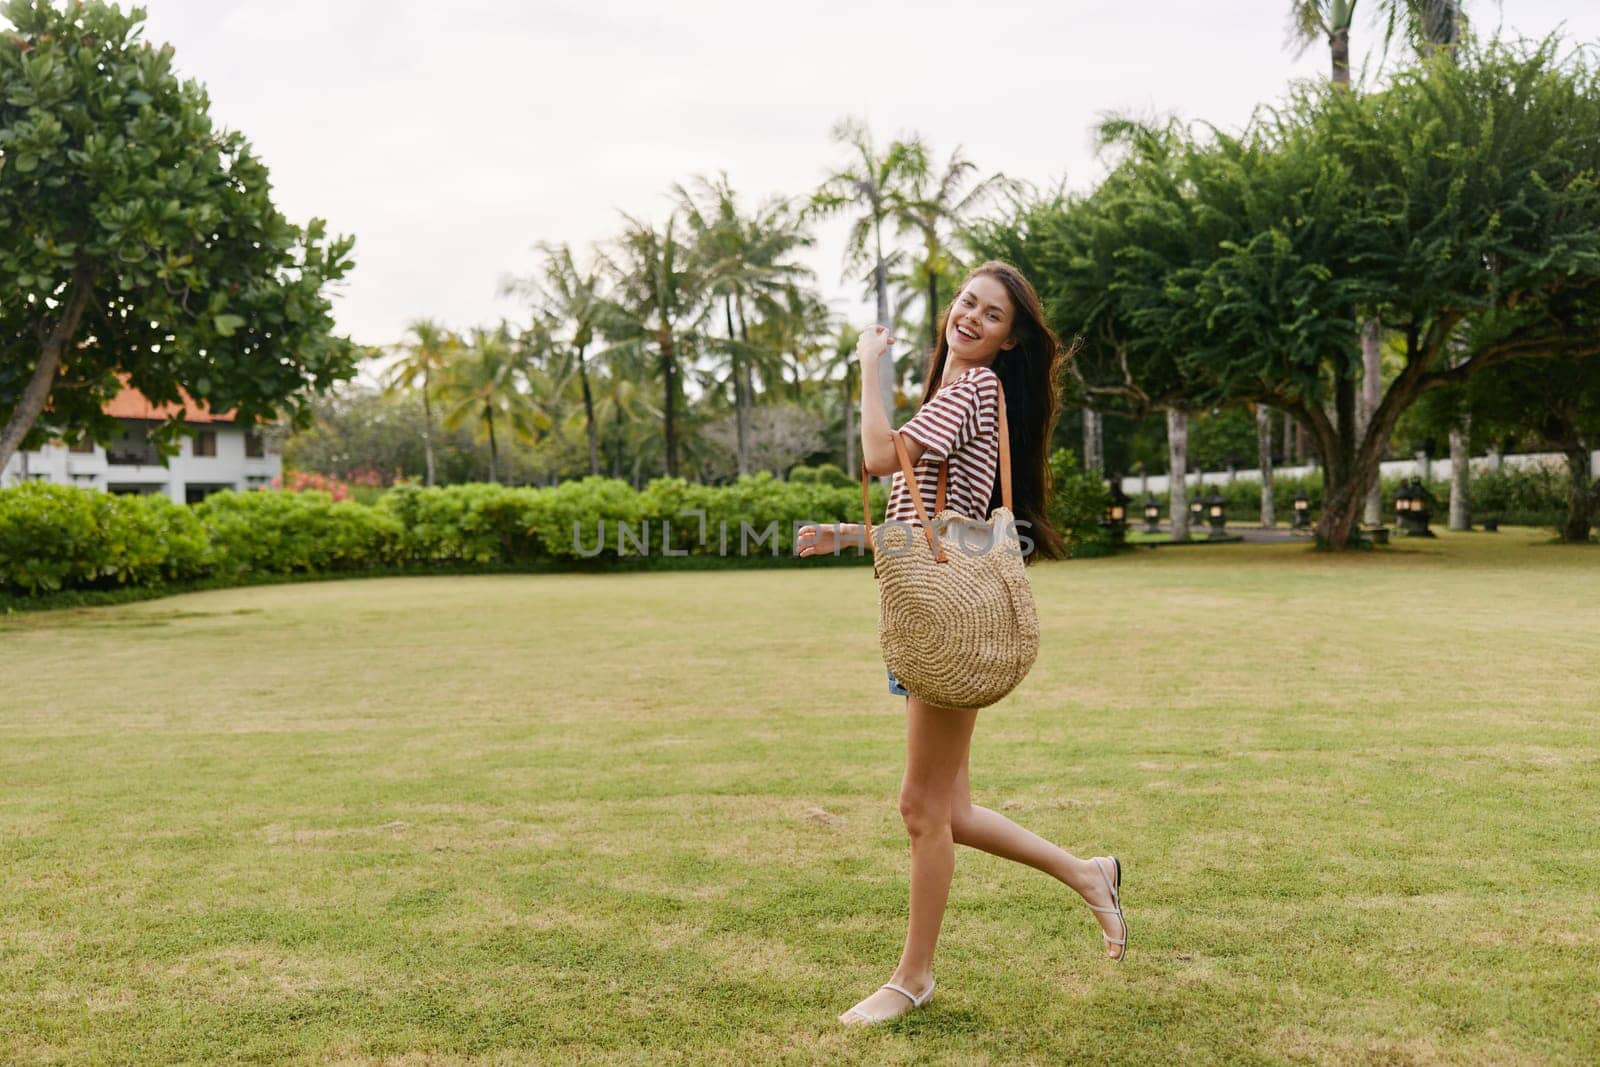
(979, 327)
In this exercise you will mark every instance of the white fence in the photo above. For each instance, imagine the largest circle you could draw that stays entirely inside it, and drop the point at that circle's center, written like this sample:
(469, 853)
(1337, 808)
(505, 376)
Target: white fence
(1439, 468)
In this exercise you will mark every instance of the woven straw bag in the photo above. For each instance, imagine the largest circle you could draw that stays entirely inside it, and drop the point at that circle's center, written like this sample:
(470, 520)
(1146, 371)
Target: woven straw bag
(955, 612)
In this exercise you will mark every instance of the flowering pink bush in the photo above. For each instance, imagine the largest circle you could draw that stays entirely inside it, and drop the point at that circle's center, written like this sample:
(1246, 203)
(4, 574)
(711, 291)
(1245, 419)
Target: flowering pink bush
(311, 481)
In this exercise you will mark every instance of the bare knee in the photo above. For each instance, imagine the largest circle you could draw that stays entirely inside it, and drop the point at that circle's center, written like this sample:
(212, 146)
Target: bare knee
(924, 814)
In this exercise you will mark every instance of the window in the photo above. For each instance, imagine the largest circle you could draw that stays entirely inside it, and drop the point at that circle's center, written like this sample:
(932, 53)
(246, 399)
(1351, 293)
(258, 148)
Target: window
(84, 447)
(205, 443)
(254, 447)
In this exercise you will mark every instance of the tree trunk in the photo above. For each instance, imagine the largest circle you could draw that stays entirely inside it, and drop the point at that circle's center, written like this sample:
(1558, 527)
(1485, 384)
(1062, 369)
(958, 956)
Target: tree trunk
(850, 464)
(494, 450)
(933, 312)
(1339, 47)
(427, 431)
(1371, 395)
(1582, 496)
(1460, 477)
(747, 390)
(1177, 471)
(588, 414)
(1093, 441)
(1269, 514)
(669, 377)
(37, 391)
(740, 419)
(886, 374)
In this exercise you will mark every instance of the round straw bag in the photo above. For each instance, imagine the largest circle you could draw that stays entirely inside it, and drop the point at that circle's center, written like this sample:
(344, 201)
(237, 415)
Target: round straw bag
(955, 613)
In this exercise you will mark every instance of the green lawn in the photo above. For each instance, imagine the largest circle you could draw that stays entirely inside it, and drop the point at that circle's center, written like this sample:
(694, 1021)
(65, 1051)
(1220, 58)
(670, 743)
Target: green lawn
(651, 818)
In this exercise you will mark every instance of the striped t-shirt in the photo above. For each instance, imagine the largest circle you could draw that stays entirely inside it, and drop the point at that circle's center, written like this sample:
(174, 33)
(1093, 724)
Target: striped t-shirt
(961, 421)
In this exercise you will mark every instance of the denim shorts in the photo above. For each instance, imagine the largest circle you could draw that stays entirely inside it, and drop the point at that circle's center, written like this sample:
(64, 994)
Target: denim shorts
(894, 685)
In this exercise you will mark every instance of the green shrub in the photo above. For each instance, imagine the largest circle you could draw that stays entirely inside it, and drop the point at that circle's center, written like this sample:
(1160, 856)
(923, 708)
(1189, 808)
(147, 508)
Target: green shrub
(61, 537)
(828, 474)
(294, 533)
(1077, 504)
(1533, 496)
(474, 523)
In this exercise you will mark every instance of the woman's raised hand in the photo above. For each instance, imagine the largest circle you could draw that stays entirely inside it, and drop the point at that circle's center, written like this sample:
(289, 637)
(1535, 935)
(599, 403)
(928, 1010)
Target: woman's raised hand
(874, 342)
(817, 540)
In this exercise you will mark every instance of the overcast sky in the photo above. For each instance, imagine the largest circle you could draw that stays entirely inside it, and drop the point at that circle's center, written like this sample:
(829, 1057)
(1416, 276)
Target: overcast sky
(450, 137)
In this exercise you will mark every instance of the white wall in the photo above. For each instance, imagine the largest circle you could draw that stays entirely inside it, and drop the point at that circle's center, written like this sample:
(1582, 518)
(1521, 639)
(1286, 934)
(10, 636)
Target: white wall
(229, 467)
(1440, 468)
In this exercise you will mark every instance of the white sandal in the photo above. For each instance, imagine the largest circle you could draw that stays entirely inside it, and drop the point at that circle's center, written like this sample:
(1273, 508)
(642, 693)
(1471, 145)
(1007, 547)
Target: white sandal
(1115, 888)
(853, 1014)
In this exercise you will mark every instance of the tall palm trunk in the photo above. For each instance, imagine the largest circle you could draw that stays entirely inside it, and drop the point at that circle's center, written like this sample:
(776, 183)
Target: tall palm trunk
(494, 449)
(427, 429)
(886, 373)
(669, 379)
(933, 311)
(588, 415)
(1269, 514)
(747, 391)
(1177, 472)
(850, 420)
(741, 418)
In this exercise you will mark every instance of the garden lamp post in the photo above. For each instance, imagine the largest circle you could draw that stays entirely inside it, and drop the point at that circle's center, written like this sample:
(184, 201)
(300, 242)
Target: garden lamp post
(1217, 513)
(1116, 517)
(1302, 510)
(1402, 508)
(1419, 510)
(1152, 514)
(1197, 510)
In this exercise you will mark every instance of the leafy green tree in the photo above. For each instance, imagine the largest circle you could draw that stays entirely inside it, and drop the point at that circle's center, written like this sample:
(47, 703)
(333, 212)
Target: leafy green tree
(657, 302)
(1457, 206)
(876, 184)
(575, 297)
(355, 430)
(1558, 400)
(935, 205)
(481, 388)
(137, 239)
(426, 352)
(746, 263)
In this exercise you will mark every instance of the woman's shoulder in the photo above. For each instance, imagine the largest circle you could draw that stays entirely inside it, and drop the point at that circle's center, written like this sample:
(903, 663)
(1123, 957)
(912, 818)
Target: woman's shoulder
(982, 379)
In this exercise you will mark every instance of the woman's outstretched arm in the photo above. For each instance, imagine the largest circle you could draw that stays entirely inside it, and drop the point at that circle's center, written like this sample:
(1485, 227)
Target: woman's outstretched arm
(877, 441)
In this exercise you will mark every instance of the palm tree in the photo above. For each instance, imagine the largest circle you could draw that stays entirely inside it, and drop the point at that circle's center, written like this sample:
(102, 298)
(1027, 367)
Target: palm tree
(575, 296)
(657, 301)
(424, 354)
(744, 261)
(481, 387)
(932, 207)
(878, 185)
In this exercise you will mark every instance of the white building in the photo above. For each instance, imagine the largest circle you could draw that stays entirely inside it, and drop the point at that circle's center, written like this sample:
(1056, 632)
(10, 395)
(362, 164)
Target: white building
(219, 455)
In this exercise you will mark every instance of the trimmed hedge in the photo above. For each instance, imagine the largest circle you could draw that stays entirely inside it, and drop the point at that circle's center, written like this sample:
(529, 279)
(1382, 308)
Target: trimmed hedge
(1515, 496)
(55, 537)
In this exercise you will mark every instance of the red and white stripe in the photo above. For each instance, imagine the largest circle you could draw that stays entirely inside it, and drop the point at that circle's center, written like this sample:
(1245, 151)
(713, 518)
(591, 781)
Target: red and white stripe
(962, 421)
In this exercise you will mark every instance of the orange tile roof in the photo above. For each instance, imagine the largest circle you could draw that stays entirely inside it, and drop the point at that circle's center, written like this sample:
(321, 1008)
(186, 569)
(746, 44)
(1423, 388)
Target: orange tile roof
(132, 404)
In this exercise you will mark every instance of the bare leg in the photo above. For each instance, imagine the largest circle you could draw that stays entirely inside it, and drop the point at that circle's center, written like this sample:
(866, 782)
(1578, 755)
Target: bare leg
(991, 832)
(936, 750)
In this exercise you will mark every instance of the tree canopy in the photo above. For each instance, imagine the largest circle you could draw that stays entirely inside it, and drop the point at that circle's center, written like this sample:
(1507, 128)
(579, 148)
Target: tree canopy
(138, 240)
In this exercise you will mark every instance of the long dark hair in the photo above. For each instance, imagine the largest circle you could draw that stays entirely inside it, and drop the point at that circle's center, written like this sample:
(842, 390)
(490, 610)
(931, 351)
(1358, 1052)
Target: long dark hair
(1029, 373)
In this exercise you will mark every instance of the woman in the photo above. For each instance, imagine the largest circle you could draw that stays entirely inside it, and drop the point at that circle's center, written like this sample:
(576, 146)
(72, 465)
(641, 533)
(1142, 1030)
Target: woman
(993, 338)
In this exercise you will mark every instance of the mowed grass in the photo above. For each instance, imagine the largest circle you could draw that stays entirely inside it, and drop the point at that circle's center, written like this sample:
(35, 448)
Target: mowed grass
(651, 818)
